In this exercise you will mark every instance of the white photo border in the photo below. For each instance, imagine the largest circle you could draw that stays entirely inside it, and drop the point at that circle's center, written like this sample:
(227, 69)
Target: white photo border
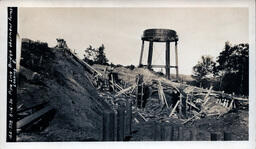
(127, 145)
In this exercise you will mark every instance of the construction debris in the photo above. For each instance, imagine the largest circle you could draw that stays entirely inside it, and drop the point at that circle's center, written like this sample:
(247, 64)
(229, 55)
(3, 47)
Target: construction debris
(168, 100)
(33, 117)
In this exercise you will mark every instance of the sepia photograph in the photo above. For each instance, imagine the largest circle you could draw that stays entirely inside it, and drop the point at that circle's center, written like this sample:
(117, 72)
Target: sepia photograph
(129, 74)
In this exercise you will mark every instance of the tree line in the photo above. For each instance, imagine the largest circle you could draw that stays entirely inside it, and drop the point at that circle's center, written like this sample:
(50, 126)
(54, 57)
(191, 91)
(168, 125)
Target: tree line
(98, 56)
(229, 73)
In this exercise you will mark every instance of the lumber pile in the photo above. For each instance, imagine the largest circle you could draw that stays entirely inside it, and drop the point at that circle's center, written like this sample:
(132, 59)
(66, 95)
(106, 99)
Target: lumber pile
(168, 101)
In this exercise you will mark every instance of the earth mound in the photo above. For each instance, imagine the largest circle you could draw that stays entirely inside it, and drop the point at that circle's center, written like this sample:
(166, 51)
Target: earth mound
(50, 75)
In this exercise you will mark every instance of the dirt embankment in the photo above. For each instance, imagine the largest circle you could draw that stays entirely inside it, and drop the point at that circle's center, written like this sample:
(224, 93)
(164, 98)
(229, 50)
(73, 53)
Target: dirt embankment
(49, 74)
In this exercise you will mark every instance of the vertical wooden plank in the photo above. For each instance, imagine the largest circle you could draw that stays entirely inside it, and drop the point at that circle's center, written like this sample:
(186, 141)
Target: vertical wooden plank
(180, 133)
(193, 134)
(227, 136)
(139, 92)
(184, 107)
(171, 133)
(129, 118)
(108, 125)
(157, 132)
(214, 136)
(162, 132)
(120, 124)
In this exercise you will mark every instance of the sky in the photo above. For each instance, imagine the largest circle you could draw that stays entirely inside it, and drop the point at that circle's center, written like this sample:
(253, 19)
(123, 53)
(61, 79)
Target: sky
(201, 31)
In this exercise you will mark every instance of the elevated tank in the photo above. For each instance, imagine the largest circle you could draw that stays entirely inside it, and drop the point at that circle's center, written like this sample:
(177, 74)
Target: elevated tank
(159, 35)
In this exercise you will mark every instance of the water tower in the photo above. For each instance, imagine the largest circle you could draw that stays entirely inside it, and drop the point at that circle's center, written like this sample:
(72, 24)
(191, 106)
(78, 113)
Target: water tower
(165, 36)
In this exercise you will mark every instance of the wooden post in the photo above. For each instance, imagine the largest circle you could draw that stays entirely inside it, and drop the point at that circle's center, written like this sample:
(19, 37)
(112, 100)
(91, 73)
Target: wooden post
(141, 53)
(167, 59)
(227, 136)
(193, 134)
(176, 59)
(108, 125)
(166, 132)
(214, 136)
(157, 132)
(180, 133)
(140, 93)
(120, 124)
(184, 107)
(163, 132)
(150, 54)
(171, 133)
(129, 118)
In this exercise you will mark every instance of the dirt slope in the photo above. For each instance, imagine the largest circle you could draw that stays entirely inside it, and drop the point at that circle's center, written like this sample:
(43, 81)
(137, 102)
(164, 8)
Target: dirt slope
(51, 75)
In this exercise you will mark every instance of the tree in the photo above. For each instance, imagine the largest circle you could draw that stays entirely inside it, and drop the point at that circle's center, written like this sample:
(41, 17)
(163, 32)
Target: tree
(95, 56)
(90, 55)
(233, 68)
(101, 57)
(203, 70)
